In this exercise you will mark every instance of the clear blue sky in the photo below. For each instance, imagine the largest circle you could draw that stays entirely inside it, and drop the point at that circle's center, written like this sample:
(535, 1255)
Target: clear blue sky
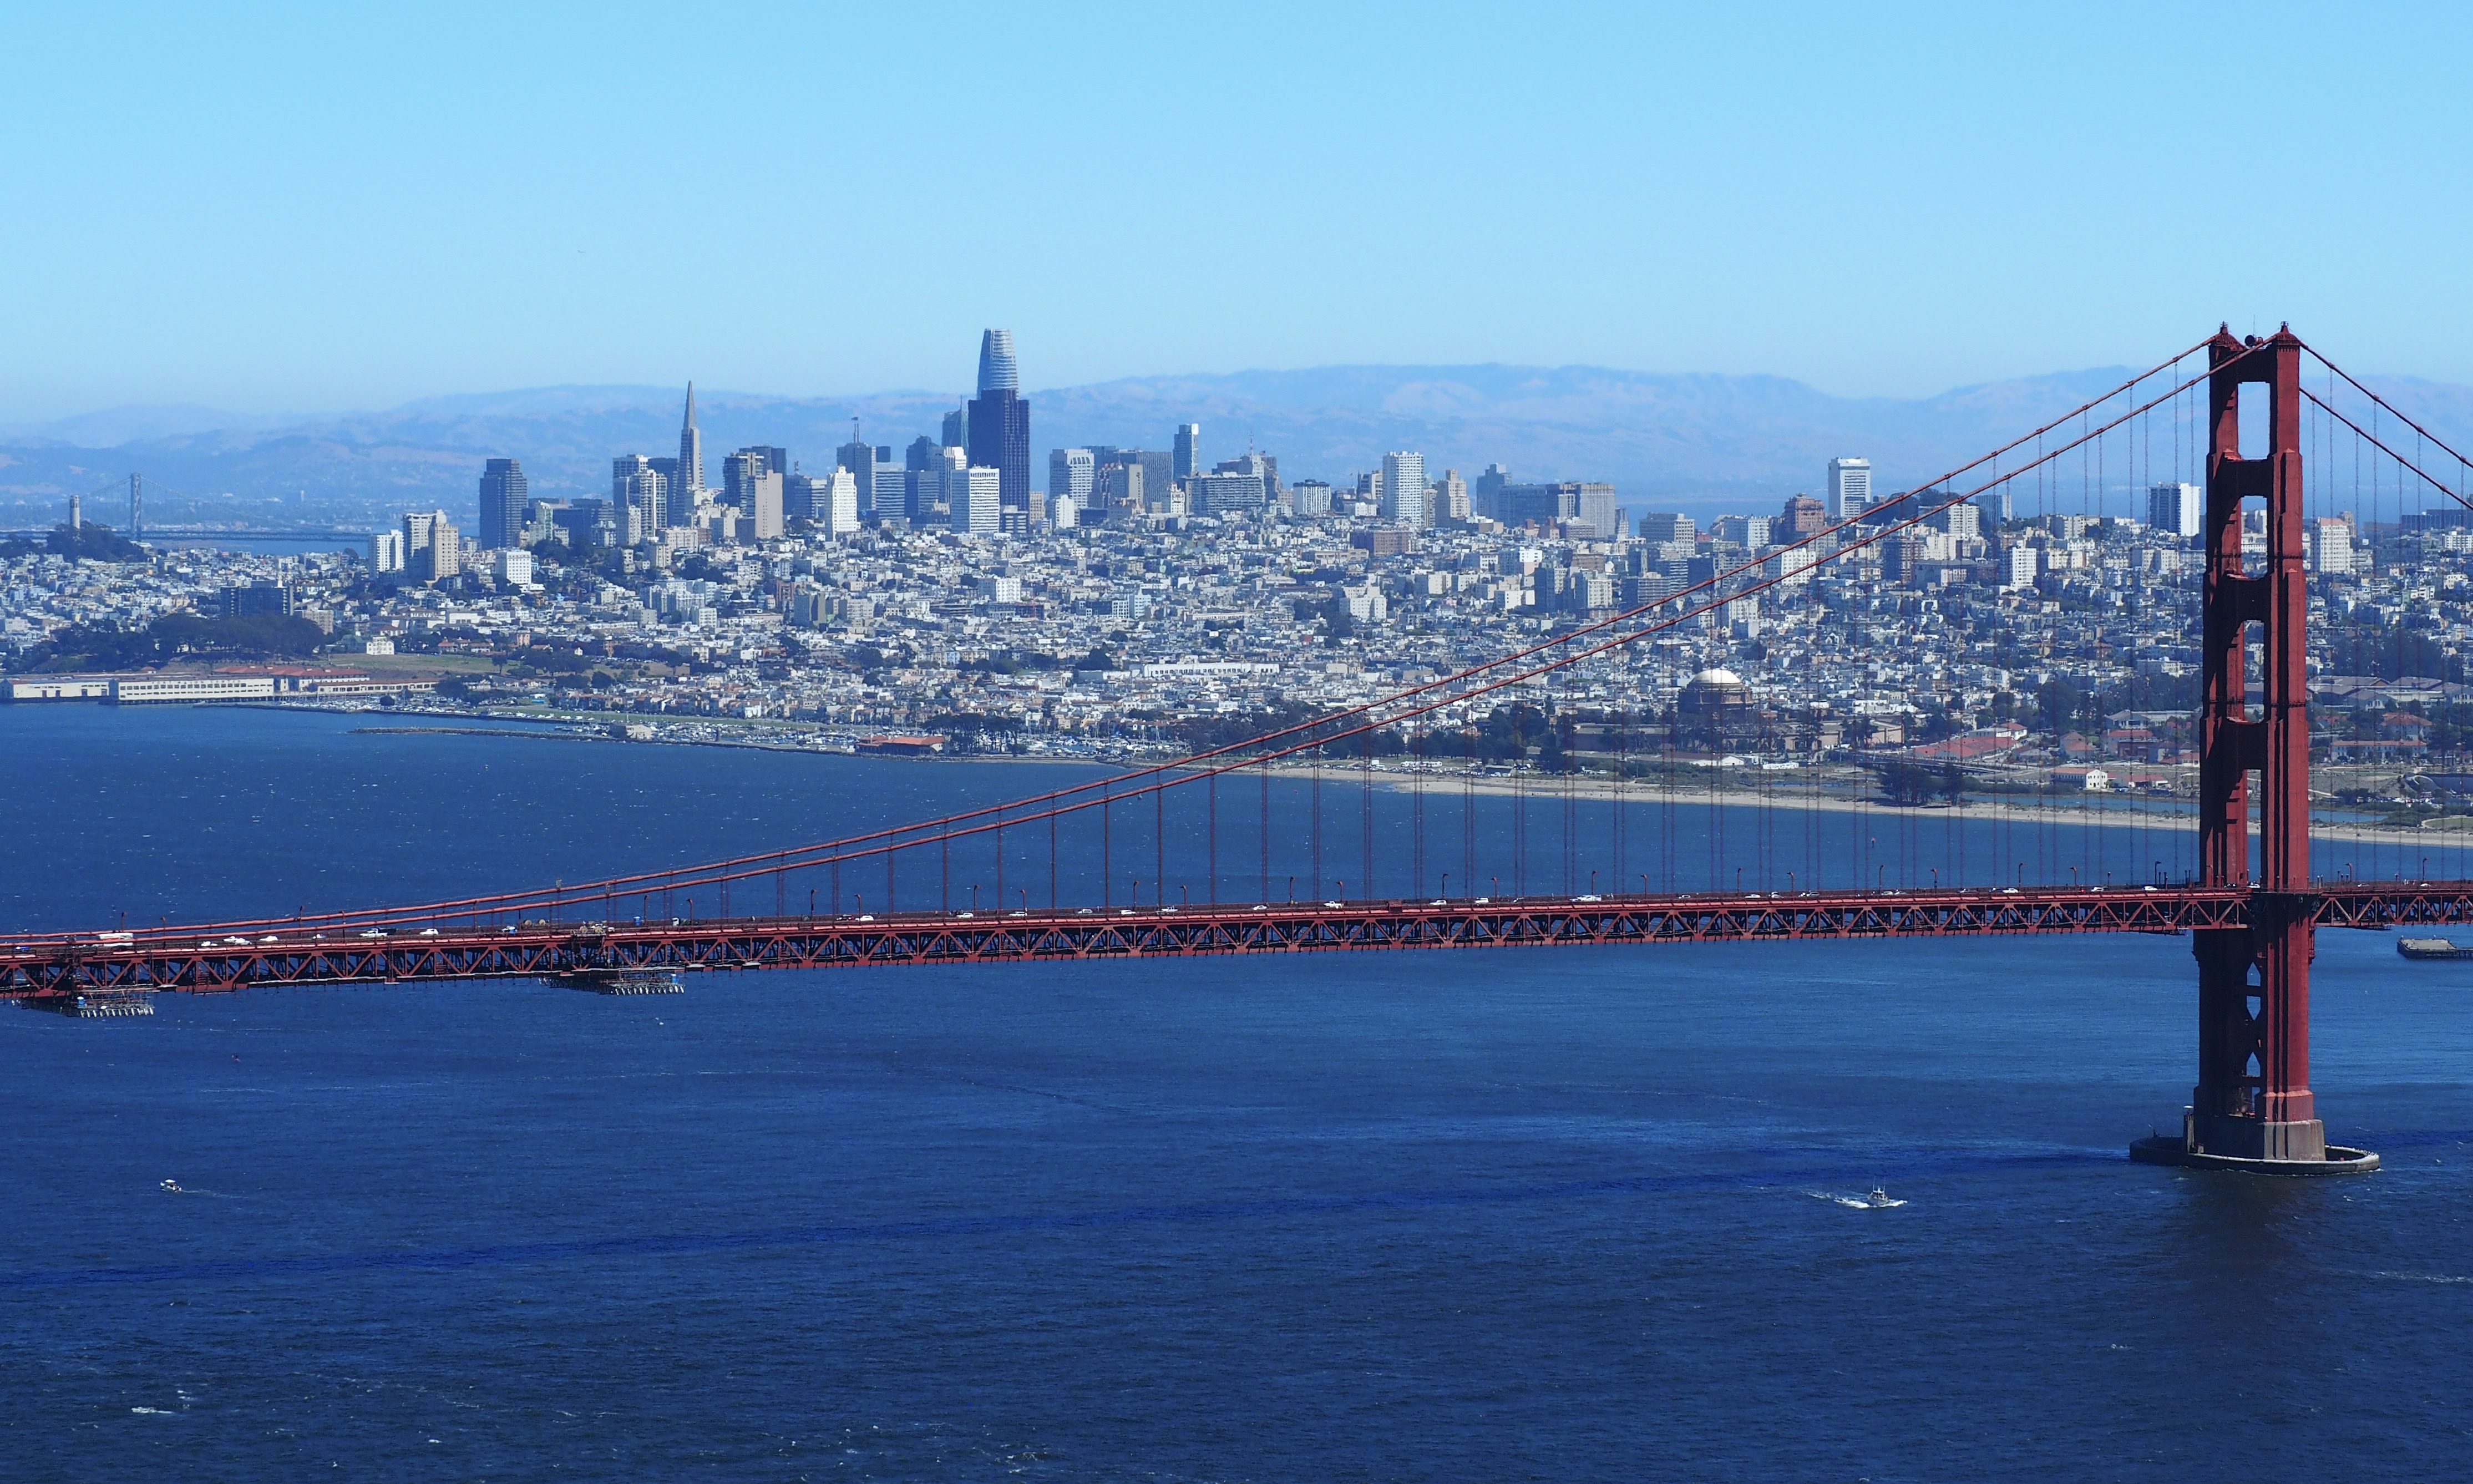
(334, 206)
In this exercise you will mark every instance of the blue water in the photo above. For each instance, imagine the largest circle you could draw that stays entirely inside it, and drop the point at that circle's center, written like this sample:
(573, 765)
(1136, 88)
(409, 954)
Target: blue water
(1522, 1215)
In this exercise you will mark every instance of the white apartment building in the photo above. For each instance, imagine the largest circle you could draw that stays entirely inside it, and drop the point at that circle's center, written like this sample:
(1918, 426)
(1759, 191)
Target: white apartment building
(1404, 490)
(973, 496)
(1850, 487)
(2020, 562)
(386, 552)
(2327, 546)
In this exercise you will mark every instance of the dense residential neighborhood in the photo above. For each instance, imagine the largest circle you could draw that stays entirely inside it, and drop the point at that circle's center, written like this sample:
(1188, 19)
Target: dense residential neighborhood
(2054, 642)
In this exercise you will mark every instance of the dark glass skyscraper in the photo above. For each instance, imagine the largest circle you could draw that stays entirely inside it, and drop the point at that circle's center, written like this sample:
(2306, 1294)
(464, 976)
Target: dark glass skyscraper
(502, 504)
(1000, 424)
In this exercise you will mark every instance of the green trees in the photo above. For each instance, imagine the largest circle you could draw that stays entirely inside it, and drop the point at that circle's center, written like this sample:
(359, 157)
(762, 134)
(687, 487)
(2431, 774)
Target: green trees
(1911, 785)
(176, 636)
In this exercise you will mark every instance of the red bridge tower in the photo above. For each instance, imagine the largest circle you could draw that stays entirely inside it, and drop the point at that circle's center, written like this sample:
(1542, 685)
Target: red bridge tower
(2252, 1107)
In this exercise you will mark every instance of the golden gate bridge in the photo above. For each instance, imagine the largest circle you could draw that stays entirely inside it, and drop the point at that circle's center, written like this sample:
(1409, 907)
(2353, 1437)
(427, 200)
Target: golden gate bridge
(2250, 905)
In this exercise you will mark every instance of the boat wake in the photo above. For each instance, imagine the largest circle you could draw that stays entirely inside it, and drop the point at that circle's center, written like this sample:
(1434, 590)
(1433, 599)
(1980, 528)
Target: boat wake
(1876, 1200)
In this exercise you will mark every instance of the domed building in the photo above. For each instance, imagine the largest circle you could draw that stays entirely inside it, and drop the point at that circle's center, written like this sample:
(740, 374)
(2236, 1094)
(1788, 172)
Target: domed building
(1716, 709)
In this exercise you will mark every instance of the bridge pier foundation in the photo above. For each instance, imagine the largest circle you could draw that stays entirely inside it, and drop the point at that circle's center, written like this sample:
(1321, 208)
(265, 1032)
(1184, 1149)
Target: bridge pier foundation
(2254, 1146)
(2252, 1109)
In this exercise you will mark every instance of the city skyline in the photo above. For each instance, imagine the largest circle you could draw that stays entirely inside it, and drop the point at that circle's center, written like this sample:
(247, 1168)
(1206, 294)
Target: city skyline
(976, 481)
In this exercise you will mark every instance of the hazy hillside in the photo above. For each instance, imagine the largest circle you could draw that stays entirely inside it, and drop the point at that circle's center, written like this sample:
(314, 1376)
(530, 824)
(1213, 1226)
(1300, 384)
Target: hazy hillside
(1692, 442)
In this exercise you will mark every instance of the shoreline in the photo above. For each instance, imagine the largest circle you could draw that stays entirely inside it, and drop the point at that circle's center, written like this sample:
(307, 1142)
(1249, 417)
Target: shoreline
(2086, 808)
(2071, 808)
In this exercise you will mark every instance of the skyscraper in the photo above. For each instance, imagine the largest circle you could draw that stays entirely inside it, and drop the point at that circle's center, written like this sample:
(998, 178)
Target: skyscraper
(636, 484)
(1071, 474)
(1404, 490)
(2175, 510)
(997, 372)
(432, 548)
(858, 455)
(998, 430)
(1145, 476)
(1117, 491)
(502, 504)
(688, 483)
(974, 494)
(838, 512)
(1562, 502)
(681, 509)
(1486, 498)
(1186, 461)
(752, 485)
(805, 496)
(1850, 487)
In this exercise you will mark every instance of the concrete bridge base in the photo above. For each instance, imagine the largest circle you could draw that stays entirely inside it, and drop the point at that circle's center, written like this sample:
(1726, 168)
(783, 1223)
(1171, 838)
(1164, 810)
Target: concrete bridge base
(2254, 1146)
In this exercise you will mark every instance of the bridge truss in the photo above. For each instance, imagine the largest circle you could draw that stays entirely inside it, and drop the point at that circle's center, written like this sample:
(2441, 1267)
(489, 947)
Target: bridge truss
(552, 950)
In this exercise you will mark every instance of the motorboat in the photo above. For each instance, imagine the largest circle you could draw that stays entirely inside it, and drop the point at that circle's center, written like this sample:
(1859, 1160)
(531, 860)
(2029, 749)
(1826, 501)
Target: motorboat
(1876, 1199)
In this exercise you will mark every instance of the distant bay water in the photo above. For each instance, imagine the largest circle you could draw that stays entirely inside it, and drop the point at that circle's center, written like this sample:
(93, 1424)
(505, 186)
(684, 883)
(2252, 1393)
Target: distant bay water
(1559, 1213)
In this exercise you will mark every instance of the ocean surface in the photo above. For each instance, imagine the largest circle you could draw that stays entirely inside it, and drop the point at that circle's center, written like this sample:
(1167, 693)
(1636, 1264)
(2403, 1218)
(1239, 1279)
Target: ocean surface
(1526, 1214)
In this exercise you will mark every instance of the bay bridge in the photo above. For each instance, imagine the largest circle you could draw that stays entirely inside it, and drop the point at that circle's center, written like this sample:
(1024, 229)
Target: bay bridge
(2251, 902)
(136, 526)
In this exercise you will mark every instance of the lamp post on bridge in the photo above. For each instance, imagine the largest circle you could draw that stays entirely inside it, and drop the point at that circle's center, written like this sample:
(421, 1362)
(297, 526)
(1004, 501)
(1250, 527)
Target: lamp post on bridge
(2252, 1109)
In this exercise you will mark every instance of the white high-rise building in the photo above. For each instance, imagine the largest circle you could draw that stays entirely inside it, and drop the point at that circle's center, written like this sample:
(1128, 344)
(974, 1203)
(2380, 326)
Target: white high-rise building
(2175, 510)
(1404, 490)
(1850, 487)
(838, 512)
(386, 552)
(2327, 545)
(2019, 562)
(974, 494)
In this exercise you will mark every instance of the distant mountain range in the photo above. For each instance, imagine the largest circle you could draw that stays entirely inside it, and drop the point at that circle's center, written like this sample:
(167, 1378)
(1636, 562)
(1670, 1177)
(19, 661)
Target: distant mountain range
(1687, 441)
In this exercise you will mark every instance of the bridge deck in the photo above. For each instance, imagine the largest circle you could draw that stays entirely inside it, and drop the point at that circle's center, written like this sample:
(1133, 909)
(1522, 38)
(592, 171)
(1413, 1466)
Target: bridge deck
(170, 960)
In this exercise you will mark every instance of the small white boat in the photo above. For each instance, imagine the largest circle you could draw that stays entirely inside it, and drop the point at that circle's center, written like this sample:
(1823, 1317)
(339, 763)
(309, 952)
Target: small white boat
(1877, 1199)
(171, 1187)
